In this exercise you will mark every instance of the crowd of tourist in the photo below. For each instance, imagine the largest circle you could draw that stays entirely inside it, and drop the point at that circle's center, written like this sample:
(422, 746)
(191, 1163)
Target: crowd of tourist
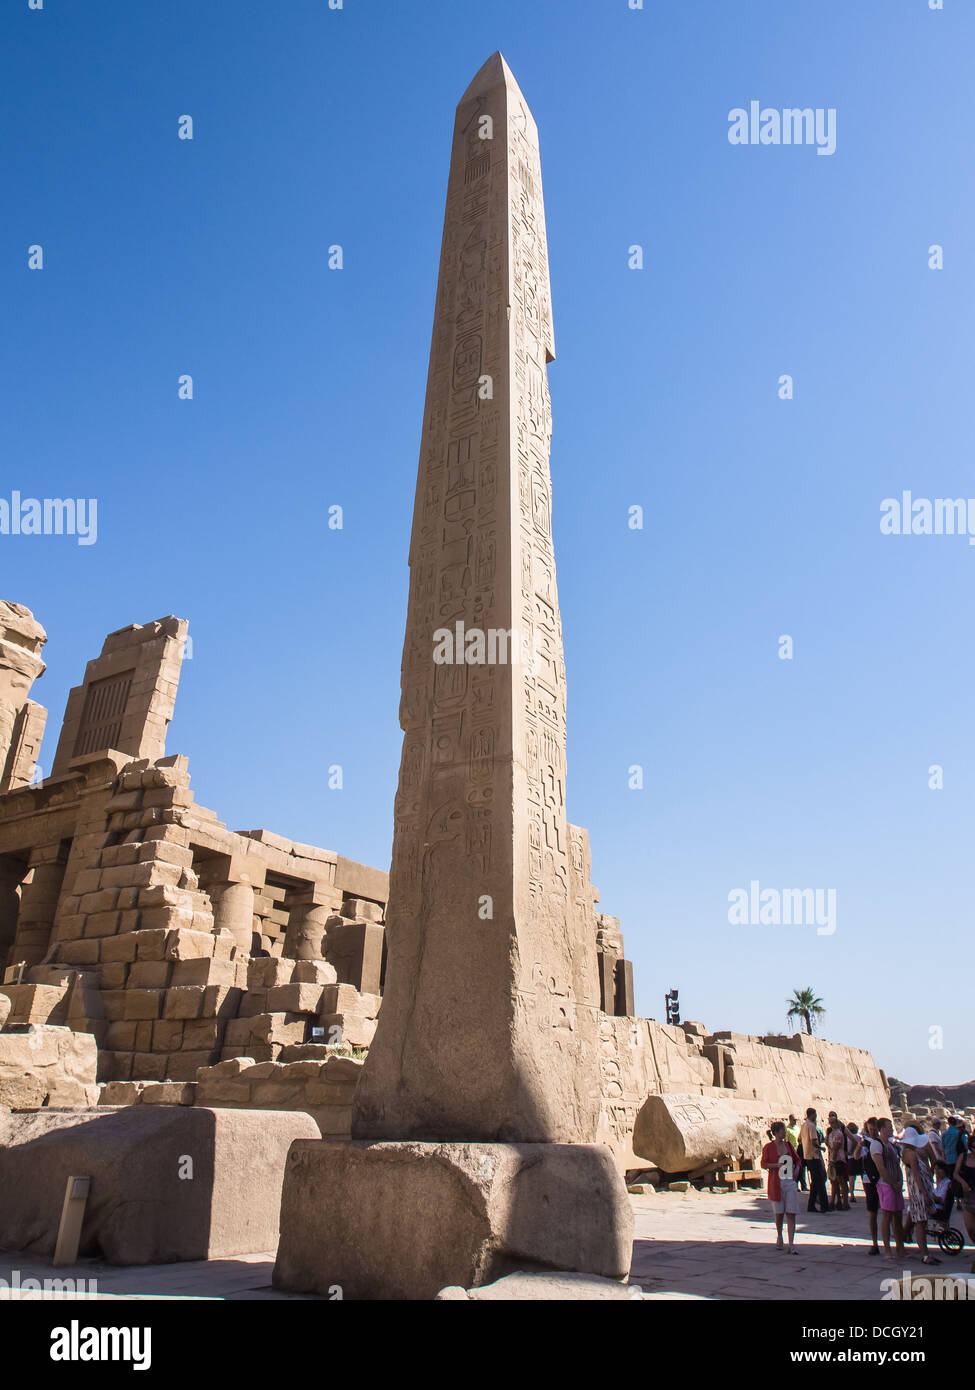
(906, 1179)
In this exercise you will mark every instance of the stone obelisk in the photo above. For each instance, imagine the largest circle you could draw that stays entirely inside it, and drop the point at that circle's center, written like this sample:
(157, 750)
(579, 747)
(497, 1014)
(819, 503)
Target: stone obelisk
(489, 1017)
(472, 1129)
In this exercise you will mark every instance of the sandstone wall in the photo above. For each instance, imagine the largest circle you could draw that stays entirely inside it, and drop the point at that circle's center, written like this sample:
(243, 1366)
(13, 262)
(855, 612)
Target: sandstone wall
(765, 1078)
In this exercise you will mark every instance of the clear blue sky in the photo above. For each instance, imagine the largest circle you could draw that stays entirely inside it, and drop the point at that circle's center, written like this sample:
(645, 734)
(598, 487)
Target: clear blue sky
(209, 257)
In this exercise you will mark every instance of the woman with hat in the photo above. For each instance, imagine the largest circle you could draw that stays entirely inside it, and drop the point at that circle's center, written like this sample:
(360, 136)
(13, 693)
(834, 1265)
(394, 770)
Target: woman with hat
(920, 1194)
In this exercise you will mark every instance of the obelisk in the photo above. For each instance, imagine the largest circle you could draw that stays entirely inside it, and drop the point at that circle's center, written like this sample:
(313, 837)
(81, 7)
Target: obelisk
(473, 1120)
(489, 1016)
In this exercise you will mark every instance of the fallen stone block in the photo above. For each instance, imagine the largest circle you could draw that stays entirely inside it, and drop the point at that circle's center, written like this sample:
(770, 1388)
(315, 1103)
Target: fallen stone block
(680, 1132)
(168, 1182)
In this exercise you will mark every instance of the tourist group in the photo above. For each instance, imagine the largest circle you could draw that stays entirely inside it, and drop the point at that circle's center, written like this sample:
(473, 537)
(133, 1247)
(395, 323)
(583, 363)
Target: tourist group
(909, 1179)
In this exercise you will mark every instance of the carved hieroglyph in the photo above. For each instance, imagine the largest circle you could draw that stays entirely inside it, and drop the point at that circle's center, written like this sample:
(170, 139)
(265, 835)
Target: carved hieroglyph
(488, 1028)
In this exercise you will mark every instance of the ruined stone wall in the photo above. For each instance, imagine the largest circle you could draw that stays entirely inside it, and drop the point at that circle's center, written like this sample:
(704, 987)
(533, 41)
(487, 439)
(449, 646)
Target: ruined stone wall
(155, 937)
(321, 1086)
(765, 1078)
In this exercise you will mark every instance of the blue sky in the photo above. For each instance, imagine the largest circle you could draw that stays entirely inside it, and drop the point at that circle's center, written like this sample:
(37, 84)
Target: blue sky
(312, 127)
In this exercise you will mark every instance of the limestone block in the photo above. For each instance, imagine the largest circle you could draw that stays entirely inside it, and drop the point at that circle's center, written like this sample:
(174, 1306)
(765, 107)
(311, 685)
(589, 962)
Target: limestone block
(223, 1091)
(202, 1034)
(185, 1066)
(98, 902)
(149, 1066)
(679, 1132)
(183, 1001)
(169, 1093)
(113, 974)
(166, 919)
(361, 908)
(5, 1007)
(151, 974)
(120, 1036)
(295, 998)
(143, 1003)
(166, 852)
(233, 1066)
(352, 1029)
(267, 973)
(47, 1066)
(277, 1095)
(167, 1034)
(84, 952)
(403, 1220)
(205, 970)
(139, 1210)
(343, 1069)
(219, 1001)
(268, 1028)
(319, 1093)
(185, 944)
(120, 1093)
(120, 948)
(37, 1003)
(314, 972)
(152, 941)
(306, 1052)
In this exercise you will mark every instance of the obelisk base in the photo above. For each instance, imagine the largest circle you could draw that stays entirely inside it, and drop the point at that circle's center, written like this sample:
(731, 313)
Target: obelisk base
(404, 1220)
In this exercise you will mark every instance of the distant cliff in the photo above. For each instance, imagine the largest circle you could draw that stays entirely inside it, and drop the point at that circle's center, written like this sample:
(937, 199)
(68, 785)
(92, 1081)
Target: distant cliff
(955, 1096)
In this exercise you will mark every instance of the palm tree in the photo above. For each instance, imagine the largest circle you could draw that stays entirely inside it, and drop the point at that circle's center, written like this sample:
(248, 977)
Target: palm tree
(806, 1005)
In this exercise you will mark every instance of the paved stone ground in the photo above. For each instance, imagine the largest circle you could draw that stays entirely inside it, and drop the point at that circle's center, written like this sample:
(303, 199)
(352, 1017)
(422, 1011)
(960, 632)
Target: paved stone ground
(722, 1246)
(246, 1277)
(693, 1245)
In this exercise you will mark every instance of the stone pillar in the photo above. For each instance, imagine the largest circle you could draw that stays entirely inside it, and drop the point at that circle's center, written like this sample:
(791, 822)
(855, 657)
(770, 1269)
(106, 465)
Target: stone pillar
(484, 1069)
(233, 911)
(625, 1005)
(307, 925)
(489, 1022)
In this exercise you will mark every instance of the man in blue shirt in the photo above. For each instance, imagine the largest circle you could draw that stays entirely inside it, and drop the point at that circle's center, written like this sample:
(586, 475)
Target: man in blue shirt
(954, 1141)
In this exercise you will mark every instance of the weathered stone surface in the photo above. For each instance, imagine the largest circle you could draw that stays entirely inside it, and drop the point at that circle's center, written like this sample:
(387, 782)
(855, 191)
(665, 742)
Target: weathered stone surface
(140, 1210)
(5, 1007)
(678, 1133)
(547, 1288)
(402, 1221)
(488, 1025)
(47, 1066)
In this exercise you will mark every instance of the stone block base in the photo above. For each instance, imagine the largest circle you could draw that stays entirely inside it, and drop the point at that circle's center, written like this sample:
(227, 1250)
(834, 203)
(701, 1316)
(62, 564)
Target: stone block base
(405, 1220)
(168, 1182)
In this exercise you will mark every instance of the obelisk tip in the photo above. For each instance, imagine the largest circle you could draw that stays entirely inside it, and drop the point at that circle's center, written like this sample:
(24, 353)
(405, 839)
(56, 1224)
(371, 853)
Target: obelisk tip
(494, 73)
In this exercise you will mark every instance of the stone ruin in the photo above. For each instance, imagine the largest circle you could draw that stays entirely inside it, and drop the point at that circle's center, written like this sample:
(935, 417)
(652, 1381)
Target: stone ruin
(462, 1096)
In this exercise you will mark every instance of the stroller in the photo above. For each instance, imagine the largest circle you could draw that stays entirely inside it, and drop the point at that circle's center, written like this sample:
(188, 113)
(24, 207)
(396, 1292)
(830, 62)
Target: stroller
(949, 1237)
